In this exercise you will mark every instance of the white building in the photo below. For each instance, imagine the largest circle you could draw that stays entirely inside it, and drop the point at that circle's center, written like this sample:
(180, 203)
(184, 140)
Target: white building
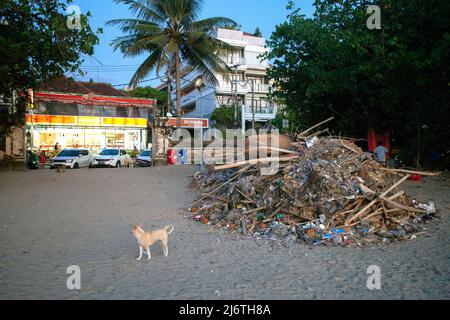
(243, 59)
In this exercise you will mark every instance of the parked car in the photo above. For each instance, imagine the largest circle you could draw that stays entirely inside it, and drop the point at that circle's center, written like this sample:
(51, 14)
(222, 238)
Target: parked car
(111, 157)
(144, 159)
(73, 159)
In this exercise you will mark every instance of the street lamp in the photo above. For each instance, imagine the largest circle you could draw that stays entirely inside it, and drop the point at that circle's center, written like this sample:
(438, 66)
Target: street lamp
(199, 84)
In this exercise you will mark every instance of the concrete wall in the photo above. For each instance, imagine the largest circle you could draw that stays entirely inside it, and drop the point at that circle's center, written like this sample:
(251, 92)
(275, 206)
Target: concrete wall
(206, 105)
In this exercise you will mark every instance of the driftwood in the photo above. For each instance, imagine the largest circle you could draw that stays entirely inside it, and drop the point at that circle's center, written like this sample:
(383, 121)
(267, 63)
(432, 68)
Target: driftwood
(422, 173)
(406, 208)
(255, 161)
(360, 213)
(316, 126)
(275, 149)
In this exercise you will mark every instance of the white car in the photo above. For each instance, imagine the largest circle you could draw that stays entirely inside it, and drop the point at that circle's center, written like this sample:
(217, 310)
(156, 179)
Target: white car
(111, 157)
(73, 159)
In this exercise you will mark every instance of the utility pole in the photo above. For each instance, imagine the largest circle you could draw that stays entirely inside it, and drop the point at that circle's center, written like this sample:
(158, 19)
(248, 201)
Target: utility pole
(235, 89)
(252, 83)
(169, 93)
(199, 85)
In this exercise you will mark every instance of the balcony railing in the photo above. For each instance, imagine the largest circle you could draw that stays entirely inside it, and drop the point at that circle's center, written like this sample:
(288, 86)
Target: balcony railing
(235, 61)
(227, 87)
(261, 110)
(260, 87)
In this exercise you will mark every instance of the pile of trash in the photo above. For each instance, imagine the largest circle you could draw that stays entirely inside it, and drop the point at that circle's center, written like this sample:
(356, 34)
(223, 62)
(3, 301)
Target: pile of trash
(326, 191)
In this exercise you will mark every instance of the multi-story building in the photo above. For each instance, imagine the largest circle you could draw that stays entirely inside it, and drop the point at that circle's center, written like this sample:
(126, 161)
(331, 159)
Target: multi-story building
(250, 93)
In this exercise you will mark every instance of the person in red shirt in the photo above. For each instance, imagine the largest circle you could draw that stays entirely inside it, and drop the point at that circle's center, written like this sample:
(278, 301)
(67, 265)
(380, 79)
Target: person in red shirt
(42, 160)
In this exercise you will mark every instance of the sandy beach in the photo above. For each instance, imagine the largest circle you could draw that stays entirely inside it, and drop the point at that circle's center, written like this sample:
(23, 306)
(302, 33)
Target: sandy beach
(50, 221)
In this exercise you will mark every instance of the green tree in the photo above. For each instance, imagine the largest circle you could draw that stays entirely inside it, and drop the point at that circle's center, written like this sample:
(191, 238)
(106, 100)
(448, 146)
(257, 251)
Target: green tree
(223, 116)
(394, 79)
(169, 32)
(151, 93)
(257, 32)
(36, 44)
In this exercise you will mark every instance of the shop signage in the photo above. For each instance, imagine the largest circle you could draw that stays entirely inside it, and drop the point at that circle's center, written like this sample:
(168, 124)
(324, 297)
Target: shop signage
(84, 121)
(189, 123)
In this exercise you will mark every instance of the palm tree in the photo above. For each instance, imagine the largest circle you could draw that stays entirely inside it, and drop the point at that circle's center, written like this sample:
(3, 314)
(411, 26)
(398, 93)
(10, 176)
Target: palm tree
(169, 32)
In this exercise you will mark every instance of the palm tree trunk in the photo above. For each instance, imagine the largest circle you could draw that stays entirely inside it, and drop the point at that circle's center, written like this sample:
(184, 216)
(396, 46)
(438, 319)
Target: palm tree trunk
(178, 87)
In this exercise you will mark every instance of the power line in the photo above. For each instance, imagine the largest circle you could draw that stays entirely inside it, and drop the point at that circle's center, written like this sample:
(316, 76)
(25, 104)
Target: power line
(142, 81)
(112, 66)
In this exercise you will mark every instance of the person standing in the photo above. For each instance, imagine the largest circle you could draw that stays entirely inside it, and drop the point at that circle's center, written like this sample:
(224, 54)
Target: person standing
(56, 146)
(42, 160)
(380, 153)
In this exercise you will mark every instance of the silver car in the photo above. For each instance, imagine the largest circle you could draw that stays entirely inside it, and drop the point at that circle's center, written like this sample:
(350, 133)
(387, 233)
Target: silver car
(73, 159)
(144, 159)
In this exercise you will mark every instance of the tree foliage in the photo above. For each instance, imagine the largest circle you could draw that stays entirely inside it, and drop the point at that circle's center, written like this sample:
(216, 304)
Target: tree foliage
(258, 32)
(395, 79)
(151, 93)
(36, 44)
(223, 117)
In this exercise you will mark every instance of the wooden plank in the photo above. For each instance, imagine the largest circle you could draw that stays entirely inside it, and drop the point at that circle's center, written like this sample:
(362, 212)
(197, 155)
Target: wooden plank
(422, 173)
(275, 149)
(375, 213)
(255, 161)
(245, 196)
(313, 127)
(349, 148)
(403, 207)
(366, 189)
(367, 207)
(395, 196)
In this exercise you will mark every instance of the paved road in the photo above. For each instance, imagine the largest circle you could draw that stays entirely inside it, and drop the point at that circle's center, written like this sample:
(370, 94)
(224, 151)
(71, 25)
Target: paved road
(49, 221)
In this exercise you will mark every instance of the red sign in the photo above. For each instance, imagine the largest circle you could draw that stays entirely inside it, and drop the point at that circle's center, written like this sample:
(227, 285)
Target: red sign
(190, 123)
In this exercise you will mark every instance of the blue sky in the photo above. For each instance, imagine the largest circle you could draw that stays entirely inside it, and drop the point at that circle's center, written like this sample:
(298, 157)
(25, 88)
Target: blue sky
(265, 14)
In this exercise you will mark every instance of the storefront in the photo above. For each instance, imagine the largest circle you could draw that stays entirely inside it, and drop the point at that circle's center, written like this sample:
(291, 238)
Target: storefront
(88, 121)
(87, 132)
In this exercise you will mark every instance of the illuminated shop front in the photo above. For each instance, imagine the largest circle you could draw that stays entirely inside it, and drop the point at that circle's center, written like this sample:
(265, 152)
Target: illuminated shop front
(122, 133)
(89, 121)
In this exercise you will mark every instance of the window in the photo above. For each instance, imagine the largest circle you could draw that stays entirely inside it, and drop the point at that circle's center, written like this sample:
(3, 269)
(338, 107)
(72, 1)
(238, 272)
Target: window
(69, 153)
(84, 152)
(122, 112)
(123, 152)
(109, 152)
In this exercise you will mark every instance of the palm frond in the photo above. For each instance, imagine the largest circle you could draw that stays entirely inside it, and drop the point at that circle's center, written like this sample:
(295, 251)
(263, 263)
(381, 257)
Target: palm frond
(135, 25)
(203, 57)
(210, 24)
(145, 9)
(153, 60)
(166, 29)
